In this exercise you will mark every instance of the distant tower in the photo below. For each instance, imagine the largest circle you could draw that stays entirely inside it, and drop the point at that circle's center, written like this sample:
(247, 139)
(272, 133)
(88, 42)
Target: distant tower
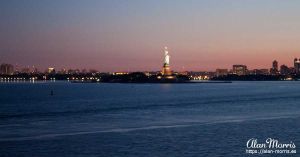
(239, 69)
(166, 67)
(274, 70)
(297, 65)
(6, 69)
(275, 65)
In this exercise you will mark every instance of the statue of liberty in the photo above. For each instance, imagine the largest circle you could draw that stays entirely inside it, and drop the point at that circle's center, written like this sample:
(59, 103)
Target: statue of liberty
(167, 57)
(166, 68)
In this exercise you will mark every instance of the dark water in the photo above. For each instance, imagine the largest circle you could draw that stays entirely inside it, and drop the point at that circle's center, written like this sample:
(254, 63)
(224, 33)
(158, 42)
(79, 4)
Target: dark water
(145, 120)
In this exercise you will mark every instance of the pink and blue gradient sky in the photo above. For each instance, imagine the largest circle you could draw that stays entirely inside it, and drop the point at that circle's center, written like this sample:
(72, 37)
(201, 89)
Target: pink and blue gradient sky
(117, 35)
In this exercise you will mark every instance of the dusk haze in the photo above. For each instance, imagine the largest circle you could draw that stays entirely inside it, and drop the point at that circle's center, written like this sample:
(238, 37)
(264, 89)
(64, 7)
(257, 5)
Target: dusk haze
(129, 35)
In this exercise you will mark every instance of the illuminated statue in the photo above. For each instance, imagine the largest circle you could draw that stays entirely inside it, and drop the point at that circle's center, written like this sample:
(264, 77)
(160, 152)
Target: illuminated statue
(167, 57)
(166, 71)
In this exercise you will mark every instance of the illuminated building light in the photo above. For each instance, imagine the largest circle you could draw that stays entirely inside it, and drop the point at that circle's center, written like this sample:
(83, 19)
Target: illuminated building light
(170, 77)
(289, 79)
(120, 73)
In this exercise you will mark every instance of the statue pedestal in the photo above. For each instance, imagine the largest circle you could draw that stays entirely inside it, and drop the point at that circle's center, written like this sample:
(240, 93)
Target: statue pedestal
(166, 70)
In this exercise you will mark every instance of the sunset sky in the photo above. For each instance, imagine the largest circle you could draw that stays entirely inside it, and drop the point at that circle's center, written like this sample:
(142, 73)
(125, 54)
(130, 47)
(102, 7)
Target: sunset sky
(118, 35)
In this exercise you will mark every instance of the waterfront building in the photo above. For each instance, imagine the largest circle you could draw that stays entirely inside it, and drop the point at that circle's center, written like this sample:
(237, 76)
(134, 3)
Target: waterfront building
(73, 71)
(259, 72)
(50, 70)
(285, 70)
(239, 69)
(63, 71)
(120, 73)
(6, 69)
(274, 70)
(34, 70)
(221, 72)
(297, 65)
(25, 70)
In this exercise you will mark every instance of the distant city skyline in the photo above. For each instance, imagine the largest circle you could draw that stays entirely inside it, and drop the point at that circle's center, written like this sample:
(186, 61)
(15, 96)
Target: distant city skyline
(59, 68)
(116, 35)
(274, 69)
